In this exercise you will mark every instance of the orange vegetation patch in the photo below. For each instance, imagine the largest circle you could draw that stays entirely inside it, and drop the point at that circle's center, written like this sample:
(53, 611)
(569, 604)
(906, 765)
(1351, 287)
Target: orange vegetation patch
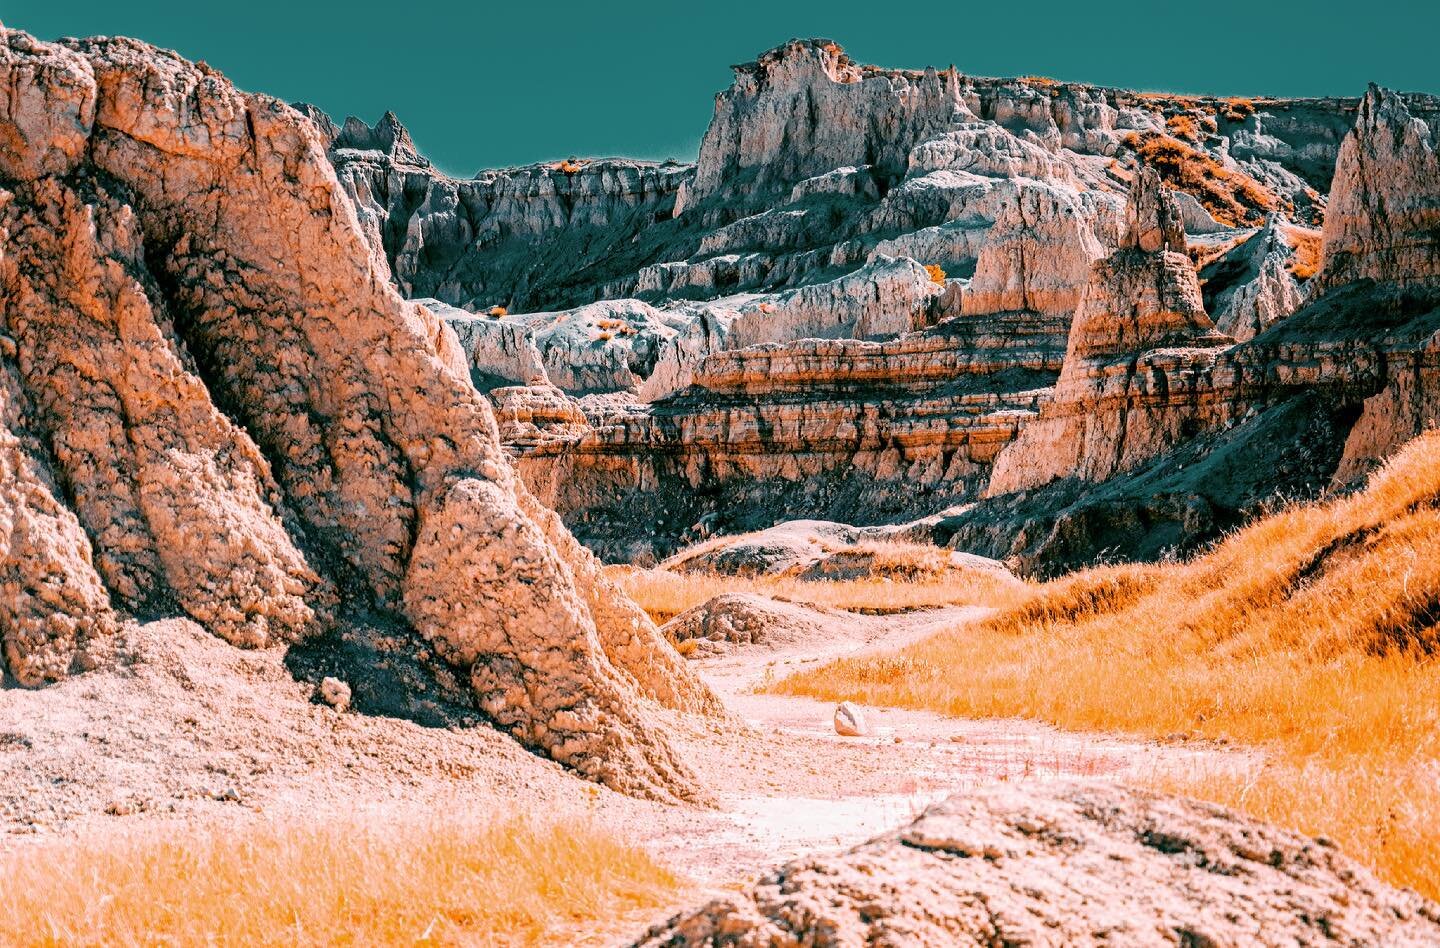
(1183, 126)
(937, 275)
(1232, 198)
(1238, 110)
(1311, 635)
(497, 311)
(570, 166)
(440, 881)
(1306, 242)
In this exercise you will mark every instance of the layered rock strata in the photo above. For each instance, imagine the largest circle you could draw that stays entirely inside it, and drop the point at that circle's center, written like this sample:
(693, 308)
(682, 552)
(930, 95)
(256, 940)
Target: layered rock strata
(821, 189)
(811, 162)
(215, 402)
(1144, 298)
(853, 430)
(1203, 433)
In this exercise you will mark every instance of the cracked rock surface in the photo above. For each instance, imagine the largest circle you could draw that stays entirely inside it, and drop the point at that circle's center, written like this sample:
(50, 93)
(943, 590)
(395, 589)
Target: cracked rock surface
(215, 403)
(1066, 865)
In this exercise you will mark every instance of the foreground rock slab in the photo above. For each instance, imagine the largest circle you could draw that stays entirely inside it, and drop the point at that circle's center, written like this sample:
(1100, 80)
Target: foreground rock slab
(1067, 865)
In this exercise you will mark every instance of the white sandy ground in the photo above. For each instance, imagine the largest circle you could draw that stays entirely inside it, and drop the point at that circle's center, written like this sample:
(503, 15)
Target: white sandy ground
(198, 731)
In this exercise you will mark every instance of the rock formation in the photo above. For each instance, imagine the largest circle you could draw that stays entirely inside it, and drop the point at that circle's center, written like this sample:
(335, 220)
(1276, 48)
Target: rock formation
(740, 620)
(1144, 298)
(1157, 440)
(850, 430)
(1067, 865)
(1383, 222)
(1266, 289)
(215, 402)
(678, 308)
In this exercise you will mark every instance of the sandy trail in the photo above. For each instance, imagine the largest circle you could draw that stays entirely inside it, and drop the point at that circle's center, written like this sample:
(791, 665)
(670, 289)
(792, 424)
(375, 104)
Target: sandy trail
(792, 786)
(193, 731)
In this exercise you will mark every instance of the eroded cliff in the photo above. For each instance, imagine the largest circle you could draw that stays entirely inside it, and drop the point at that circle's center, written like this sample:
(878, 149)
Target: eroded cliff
(215, 402)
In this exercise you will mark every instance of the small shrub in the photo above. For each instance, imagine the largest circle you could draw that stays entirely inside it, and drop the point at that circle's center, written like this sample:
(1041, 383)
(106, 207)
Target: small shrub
(570, 166)
(1238, 110)
(767, 307)
(605, 336)
(495, 312)
(1231, 198)
(1306, 243)
(1183, 126)
(937, 275)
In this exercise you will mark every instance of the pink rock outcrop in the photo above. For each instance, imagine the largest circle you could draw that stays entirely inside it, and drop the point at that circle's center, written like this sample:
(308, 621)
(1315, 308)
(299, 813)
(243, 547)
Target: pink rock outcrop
(207, 363)
(1383, 221)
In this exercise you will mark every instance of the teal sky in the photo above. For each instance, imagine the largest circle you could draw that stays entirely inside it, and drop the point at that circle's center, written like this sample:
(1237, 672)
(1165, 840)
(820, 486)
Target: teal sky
(484, 85)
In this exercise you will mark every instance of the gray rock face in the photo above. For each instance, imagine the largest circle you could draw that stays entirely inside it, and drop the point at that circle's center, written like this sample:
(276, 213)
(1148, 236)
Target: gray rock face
(1066, 865)
(1267, 292)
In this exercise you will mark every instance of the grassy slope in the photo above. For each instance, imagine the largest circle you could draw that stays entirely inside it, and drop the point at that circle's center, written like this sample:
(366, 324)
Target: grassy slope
(1310, 633)
(451, 881)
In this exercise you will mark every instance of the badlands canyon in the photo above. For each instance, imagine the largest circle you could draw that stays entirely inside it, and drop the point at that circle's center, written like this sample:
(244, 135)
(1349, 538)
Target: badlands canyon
(330, 481)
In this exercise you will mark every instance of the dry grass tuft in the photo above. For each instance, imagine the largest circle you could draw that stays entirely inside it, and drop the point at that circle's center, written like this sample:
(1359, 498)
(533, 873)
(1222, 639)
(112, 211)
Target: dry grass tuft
(570, 166)
(454, 881)
(1312, 633)
(1238, 110)
(937, 275)
(495, 312)
(1306, 242)
(1231, 198)
(1184, 126)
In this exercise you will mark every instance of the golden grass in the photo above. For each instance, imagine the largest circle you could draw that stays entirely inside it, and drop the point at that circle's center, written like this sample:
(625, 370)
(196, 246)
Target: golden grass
(1305, 262)
(1311, 633)
(936, 274)
(1379, 810)
(1231, 198)
(899, 576)
(441, 881)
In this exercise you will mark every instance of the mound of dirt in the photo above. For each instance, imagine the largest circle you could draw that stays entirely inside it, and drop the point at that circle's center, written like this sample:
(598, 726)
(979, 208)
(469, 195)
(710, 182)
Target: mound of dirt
(1067, 865)
(732, 620)
(822, 549)
(183, 725)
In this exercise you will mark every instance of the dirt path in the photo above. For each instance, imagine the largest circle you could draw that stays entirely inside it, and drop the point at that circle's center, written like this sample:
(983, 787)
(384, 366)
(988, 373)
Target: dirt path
(194, 731)
(792, 786)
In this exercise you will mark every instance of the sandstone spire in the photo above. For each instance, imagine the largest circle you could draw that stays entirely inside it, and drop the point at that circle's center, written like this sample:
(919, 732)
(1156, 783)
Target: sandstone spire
(1102, 417)
(1153, 222)
(1383, 220)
